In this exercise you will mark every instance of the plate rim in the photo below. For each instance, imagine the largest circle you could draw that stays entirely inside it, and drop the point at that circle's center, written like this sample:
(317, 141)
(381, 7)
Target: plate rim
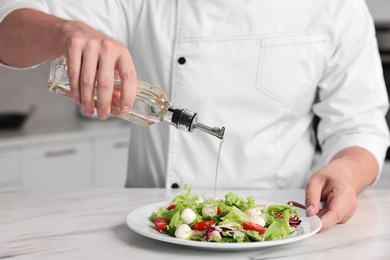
(313, 222)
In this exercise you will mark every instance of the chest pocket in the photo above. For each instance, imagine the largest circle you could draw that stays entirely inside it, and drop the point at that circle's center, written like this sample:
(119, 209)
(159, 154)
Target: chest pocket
(290, 66)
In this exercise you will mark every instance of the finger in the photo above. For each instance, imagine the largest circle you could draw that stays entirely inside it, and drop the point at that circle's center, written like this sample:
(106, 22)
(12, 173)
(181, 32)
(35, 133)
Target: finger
(74, 66)
(329, 218)
(314, 189)
(116, 96)
(128, 78)
(87, 80)
(105, 85)
(340, 208)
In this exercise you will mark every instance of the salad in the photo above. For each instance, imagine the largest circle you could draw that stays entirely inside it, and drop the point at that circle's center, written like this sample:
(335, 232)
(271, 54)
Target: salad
(229, 220)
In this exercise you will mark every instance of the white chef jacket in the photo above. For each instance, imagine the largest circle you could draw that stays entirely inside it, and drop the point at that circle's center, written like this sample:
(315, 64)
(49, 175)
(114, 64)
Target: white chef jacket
(260, 68)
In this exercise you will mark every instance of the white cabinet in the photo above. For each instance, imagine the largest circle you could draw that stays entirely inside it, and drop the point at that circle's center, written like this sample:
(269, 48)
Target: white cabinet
(76, 154)
(111, 161)
(57, 165)
(9, 168)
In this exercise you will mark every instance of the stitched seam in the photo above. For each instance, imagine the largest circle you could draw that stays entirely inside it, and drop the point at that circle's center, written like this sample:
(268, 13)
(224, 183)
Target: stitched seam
(259, 64)
(252, 37)
(270, 45)
(176, 48)
(277, 160)
(320, 66)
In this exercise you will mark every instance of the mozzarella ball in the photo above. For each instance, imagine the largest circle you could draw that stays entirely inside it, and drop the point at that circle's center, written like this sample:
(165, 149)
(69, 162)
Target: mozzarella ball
(209, 210)
(216, 234)
(258, 220)
(183, 231)
(188, 216)
(254, 211)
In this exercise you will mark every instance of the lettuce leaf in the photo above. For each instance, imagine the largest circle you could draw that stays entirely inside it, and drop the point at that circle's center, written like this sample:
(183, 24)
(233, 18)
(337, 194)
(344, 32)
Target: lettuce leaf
(277, 230)
(254, 235)
(232, 199)
(277, 218)
(234, 218)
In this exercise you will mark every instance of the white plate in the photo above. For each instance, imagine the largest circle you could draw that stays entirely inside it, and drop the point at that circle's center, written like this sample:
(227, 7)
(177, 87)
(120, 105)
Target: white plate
(138, 221)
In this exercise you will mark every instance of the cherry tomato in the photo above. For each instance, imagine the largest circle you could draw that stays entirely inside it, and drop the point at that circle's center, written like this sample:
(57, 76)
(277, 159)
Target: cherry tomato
(219, 212)
(247, 225)
(201, 226)
(171, 207)
(161, 224)
(278, 214)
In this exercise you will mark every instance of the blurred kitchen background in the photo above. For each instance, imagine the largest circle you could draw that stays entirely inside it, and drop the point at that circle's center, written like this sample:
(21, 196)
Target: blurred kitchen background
(55, 146)
(46, 142)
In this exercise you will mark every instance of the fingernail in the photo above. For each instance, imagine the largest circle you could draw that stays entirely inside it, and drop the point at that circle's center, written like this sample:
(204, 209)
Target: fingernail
(88, 112)
(102, 116)
(125, 109)
(309, 208)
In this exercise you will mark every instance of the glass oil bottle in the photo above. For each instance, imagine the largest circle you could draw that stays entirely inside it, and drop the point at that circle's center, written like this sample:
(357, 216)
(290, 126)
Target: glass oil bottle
(150, 106)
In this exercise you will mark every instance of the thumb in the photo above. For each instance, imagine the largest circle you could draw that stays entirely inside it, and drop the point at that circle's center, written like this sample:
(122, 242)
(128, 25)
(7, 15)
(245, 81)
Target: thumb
(313, 189)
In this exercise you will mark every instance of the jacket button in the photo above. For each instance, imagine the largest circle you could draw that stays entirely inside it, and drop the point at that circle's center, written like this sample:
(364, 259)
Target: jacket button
(174, 186)
(181, 60)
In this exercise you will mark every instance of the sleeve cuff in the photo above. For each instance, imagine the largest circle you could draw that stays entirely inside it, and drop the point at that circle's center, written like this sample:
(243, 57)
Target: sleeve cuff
(376, 145)
(14, 68)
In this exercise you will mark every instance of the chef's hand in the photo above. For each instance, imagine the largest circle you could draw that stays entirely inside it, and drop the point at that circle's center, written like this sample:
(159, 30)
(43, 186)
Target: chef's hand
(338, 183)
(30, 37)
(93, 57)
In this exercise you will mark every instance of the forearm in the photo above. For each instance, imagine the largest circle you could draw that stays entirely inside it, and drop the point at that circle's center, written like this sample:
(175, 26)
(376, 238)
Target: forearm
(29, 37)
(360, 166)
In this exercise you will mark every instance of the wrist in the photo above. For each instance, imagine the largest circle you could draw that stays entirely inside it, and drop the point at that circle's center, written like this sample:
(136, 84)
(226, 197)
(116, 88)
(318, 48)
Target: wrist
(359, 166)
(63, 31)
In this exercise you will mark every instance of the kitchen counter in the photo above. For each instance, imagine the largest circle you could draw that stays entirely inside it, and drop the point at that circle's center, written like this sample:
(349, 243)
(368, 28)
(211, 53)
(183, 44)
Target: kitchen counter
(90, 224)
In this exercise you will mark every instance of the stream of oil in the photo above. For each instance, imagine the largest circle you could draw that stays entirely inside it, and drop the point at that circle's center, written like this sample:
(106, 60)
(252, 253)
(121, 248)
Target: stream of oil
(217, 168)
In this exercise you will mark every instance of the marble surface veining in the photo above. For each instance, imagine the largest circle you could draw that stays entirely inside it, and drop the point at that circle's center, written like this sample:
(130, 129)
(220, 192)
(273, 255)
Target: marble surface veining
(90, 224)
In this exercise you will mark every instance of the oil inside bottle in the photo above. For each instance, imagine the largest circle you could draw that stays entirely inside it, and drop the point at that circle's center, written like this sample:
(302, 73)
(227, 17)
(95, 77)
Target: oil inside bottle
(149, 106)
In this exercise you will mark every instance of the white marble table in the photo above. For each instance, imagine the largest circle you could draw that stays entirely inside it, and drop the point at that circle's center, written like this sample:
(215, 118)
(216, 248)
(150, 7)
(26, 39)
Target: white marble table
(90, 224)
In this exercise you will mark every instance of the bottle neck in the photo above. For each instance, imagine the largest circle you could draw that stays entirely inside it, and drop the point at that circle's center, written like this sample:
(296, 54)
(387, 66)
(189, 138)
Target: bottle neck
(188, 121)
(183, 119)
